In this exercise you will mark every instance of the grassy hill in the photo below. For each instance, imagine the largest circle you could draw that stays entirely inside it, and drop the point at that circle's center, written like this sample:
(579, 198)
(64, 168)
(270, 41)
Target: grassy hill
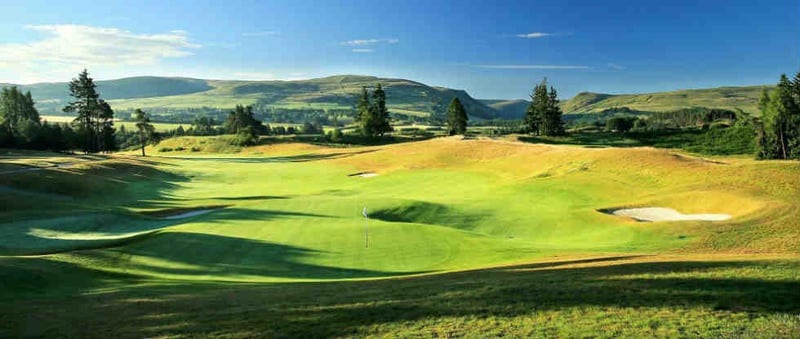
(745, 98)
(158, 93)
(161, 95)
(508, 109)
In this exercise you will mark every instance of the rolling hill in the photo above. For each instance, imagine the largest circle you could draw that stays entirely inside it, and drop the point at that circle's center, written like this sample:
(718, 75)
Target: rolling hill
(334, 92)
(162, 95)
(745, 98)
(508, 109)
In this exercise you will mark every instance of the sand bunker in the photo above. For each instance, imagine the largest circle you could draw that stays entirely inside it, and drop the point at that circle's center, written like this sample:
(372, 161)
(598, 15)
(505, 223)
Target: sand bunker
(664, 214)
(364, 175)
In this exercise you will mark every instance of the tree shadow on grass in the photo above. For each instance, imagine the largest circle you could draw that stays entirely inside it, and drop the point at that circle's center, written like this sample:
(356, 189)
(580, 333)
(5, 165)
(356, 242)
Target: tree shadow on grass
(279, 159)
(101, 230)
(222, 257)
(349, 308)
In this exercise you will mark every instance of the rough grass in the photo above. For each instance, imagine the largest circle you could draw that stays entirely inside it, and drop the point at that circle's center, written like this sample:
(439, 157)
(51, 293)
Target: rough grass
(466, 239)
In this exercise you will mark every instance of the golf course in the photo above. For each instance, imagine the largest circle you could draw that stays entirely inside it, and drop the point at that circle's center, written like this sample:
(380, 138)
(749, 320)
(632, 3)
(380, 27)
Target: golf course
(465, 236)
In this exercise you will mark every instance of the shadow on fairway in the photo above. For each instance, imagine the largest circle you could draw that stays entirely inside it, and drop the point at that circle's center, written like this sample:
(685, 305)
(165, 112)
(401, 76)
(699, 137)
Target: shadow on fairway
(292, 158)
(347, 308)
(253, 197)
(220, 257)
(117, 229)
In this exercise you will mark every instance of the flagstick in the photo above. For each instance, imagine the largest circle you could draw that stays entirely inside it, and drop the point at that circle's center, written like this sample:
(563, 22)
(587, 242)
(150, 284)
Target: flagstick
(366, 232)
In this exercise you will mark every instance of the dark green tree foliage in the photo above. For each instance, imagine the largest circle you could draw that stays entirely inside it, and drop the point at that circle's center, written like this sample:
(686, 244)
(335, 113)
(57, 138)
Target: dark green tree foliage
(691, 117)
(19, 119)
(372, 115)
(363, 113)
(147, 133)
(778, 134)
(94, 117)
(246, 127)
(620, 124)
(381, 123)
(543, 116)
(456, 118)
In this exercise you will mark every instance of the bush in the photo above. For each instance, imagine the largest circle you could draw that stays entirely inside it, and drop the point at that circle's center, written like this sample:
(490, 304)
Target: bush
(179, 149)
(196, 149)
(165, 149)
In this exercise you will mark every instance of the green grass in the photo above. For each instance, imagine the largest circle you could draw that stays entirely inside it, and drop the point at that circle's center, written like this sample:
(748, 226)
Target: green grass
(129, 125)
(745, 98)
(467, 237)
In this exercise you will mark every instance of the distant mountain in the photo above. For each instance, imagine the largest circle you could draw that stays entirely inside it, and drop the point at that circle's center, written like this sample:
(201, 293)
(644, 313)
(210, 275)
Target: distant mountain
(165, 95)
(745, 98)
(336, 92)
(508, 109)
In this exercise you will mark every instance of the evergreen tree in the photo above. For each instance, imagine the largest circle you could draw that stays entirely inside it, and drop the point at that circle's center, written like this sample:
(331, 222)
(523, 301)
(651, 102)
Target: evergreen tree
(106, 140)
(553, 119)
(456, 118)
(543, 116)
(86, 106)
(380, 113)
(778, 136)
(19, 120)
(364, 113)
(535, 114)
(146, 130)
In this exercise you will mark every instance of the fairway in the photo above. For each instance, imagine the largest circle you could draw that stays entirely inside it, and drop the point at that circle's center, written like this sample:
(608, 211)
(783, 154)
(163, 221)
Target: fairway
(291, 213)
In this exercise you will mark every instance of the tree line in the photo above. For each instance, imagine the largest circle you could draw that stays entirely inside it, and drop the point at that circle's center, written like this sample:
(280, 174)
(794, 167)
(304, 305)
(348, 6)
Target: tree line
(778, 130)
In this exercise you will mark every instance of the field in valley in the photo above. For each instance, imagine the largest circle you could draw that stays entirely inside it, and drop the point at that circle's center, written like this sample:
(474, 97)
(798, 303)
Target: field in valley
(483, 236)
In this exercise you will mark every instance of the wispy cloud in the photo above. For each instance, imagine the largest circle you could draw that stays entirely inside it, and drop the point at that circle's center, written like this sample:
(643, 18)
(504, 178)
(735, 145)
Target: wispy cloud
(362, 50)
(254, 75)
(616, 67)
(534, 35)
(89, 45)
(369, 42)
(259, 34)
(531, 67)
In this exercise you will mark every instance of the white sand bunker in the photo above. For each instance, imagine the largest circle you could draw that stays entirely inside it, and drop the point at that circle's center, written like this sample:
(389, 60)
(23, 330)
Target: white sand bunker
(364, 174)
(665, 214)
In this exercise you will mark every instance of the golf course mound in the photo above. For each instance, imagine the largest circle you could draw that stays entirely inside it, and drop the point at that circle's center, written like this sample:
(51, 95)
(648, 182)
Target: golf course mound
(664, 214)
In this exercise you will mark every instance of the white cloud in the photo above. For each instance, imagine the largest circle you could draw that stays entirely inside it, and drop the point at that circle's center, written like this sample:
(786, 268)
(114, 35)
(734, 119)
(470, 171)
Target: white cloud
(534, 35)
(616, 67)
(362, 50)
(259, 34)
(368, 42)
(254, 76)
(532, 67)
(87, 45)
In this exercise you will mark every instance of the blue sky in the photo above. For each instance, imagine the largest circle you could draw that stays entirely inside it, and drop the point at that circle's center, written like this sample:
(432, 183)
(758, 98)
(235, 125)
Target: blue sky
(492, 49)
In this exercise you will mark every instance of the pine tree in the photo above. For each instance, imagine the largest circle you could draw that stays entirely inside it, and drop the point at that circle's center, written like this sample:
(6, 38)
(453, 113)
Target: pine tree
(554, 123)
(85, 106)
(779, 130)
(146, 129)
(456, 117)
(364, 113)
(537, 109)
(380, 113)
(106, 140)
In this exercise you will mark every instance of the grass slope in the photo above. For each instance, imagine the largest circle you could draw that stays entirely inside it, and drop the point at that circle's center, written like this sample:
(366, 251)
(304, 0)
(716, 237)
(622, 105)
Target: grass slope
(288, 251)
(335, 92)
(509, 109)
(745, 98)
